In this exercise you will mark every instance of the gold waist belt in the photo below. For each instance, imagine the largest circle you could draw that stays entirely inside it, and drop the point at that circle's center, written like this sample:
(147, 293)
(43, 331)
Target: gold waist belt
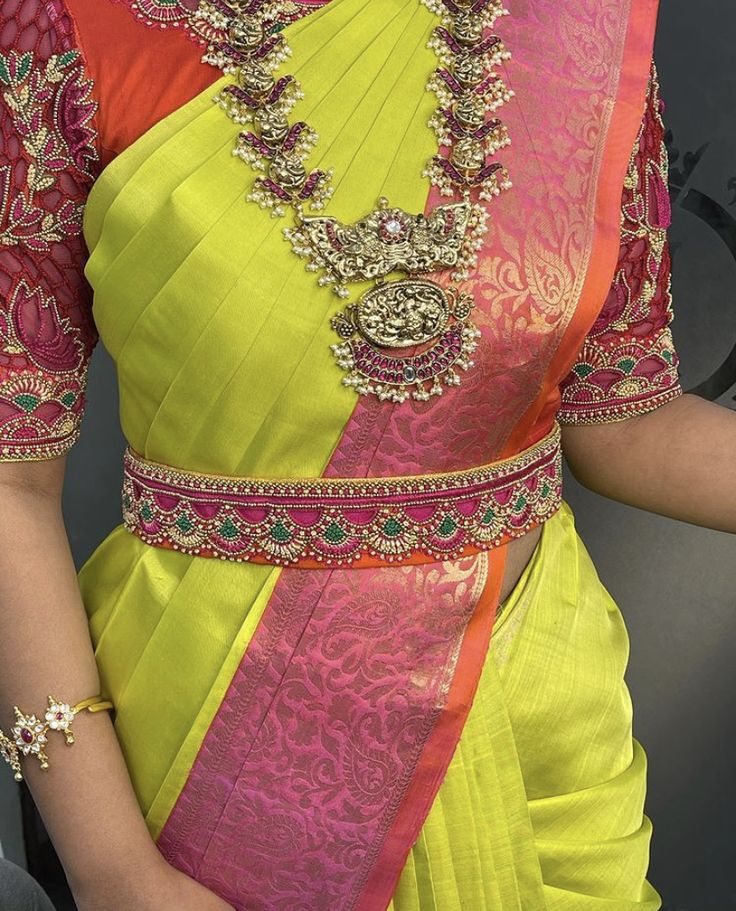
(319, 522)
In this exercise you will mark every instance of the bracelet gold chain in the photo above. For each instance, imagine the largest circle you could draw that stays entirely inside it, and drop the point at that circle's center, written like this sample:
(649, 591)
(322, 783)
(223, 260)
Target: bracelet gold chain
(29, 734)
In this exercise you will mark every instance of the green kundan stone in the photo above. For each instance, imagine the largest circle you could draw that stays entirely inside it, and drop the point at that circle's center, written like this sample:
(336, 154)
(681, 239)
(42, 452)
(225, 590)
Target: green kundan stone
(447, 527)
(280, 533)
(229, 530)
(334, 534)
(184, 524)
(488, 516)
(26, 401)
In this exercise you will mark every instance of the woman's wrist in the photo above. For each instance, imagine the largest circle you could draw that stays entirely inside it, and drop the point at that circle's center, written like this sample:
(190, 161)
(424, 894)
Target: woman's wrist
(115, 881)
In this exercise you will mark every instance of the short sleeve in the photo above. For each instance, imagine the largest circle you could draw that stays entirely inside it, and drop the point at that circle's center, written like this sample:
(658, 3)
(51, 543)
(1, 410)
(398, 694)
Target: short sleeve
(48, 160)
(628, 364)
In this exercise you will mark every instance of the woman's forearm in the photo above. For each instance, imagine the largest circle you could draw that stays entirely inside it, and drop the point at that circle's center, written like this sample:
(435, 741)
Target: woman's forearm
(678, 460)
(85, 797)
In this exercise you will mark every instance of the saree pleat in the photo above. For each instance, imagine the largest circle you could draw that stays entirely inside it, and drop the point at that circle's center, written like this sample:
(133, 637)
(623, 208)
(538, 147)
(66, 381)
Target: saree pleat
(542, 806)
(527, 817)
(355, 116)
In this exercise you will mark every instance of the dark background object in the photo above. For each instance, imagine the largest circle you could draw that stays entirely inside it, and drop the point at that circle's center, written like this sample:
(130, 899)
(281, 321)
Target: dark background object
(676, 584)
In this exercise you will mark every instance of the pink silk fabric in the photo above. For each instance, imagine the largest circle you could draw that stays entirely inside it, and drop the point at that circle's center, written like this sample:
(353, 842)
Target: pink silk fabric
(320, 736)
(533, 308)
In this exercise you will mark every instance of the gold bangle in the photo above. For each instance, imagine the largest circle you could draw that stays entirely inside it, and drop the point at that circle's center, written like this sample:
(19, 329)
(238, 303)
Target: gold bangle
(29, 733)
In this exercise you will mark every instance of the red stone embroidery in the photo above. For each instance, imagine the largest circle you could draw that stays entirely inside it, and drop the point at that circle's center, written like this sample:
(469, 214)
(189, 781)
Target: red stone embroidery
(336, 522)
(628, 364)
(47, 164)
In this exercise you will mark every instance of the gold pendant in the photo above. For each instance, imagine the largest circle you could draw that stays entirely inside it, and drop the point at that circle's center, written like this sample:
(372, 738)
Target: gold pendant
(410, 313)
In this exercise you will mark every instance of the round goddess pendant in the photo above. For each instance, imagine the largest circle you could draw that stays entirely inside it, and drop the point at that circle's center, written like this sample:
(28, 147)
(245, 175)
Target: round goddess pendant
(411, 313)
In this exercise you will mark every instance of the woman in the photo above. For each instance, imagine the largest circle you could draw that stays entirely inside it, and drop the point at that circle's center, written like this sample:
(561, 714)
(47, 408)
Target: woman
(329, 507)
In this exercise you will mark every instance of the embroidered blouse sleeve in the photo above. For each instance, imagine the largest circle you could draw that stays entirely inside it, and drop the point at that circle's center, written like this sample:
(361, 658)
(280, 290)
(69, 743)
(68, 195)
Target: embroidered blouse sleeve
(48, 159)
(628, 364)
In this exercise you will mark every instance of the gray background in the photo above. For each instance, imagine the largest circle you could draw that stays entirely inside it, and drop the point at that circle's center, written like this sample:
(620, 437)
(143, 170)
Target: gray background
(675, 583)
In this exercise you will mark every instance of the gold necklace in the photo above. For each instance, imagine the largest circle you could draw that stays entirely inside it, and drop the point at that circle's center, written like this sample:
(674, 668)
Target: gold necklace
(414, 312)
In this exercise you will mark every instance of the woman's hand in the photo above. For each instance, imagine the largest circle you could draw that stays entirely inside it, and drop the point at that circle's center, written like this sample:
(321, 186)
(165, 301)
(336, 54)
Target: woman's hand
(156, 887)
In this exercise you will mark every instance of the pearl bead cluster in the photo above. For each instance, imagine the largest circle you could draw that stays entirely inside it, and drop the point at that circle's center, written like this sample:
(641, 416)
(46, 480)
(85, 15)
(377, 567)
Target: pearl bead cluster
(274, 148)
(467, 90)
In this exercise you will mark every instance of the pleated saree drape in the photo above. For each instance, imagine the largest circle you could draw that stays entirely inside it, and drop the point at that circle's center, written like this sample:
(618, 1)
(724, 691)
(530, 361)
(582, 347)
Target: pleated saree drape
(221, 343)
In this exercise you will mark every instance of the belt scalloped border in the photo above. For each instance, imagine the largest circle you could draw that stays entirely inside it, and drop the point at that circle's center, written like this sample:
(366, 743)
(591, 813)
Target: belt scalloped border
(331, 522)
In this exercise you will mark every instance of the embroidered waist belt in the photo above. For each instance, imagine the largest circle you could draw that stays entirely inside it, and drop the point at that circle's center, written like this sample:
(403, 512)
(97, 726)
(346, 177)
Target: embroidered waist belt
(343, 522)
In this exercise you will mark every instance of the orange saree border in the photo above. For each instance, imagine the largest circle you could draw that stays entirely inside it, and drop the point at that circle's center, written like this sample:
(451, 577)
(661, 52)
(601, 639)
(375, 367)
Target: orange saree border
(441, 745)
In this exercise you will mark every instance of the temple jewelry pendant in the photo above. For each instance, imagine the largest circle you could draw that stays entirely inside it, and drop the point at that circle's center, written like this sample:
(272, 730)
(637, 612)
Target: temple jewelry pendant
(411, 313)
(406, 337)
(414, 312)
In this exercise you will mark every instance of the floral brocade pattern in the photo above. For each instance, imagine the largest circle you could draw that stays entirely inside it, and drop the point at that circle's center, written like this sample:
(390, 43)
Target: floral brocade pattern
(338, 523)
(47, 164)
(365, 661)
(628, 365)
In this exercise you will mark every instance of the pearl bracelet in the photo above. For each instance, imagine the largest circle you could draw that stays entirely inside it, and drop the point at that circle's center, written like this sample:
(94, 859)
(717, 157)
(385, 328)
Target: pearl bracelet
(29, 733)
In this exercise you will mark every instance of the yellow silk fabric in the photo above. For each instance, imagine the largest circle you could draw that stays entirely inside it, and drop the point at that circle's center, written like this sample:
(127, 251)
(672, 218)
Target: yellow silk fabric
(541, 807)
(198, 296)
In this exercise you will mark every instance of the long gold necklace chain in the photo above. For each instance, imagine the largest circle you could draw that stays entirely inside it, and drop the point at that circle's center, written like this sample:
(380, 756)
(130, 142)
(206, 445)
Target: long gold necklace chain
(414, 312)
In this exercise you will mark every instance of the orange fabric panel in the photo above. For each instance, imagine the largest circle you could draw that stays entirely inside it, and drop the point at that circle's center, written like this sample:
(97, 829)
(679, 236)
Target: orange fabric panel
(141, 74)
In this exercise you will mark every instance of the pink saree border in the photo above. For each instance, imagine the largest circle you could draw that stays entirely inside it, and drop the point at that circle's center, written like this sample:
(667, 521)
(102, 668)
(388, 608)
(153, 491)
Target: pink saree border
(440, 746)
(625, 122)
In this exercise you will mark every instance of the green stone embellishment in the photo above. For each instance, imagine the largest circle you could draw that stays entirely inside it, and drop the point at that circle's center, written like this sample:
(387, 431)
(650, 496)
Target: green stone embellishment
(184, 524)
(448, 527)
(26, 401)
(68, 399)
(334, 534)
(488, 516)
(280, 533)
(626, 364)
(472, 509)
(229, 530)
(583, 370)
(668, 356)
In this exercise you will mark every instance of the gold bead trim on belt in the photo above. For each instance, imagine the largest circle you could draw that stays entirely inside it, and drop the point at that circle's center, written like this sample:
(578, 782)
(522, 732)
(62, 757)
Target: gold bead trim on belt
(322, 522)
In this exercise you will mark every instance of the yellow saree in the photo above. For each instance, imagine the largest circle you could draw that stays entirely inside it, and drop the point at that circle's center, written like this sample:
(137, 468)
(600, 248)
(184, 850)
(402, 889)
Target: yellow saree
(220, 339)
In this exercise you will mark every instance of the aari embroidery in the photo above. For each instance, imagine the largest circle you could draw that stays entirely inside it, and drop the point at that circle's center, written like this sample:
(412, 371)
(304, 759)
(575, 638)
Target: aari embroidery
(628, 364)
(338, 522)
(46, 334)
(180, 14)
(51, 109)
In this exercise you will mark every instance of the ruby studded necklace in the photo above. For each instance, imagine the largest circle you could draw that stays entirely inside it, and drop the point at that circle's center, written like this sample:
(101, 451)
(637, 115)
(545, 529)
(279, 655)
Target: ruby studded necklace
(404, 337)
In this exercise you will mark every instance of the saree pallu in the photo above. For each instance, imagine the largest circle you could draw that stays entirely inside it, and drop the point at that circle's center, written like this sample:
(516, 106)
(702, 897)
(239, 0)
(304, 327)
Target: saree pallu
(541, 807)
(290, 732)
